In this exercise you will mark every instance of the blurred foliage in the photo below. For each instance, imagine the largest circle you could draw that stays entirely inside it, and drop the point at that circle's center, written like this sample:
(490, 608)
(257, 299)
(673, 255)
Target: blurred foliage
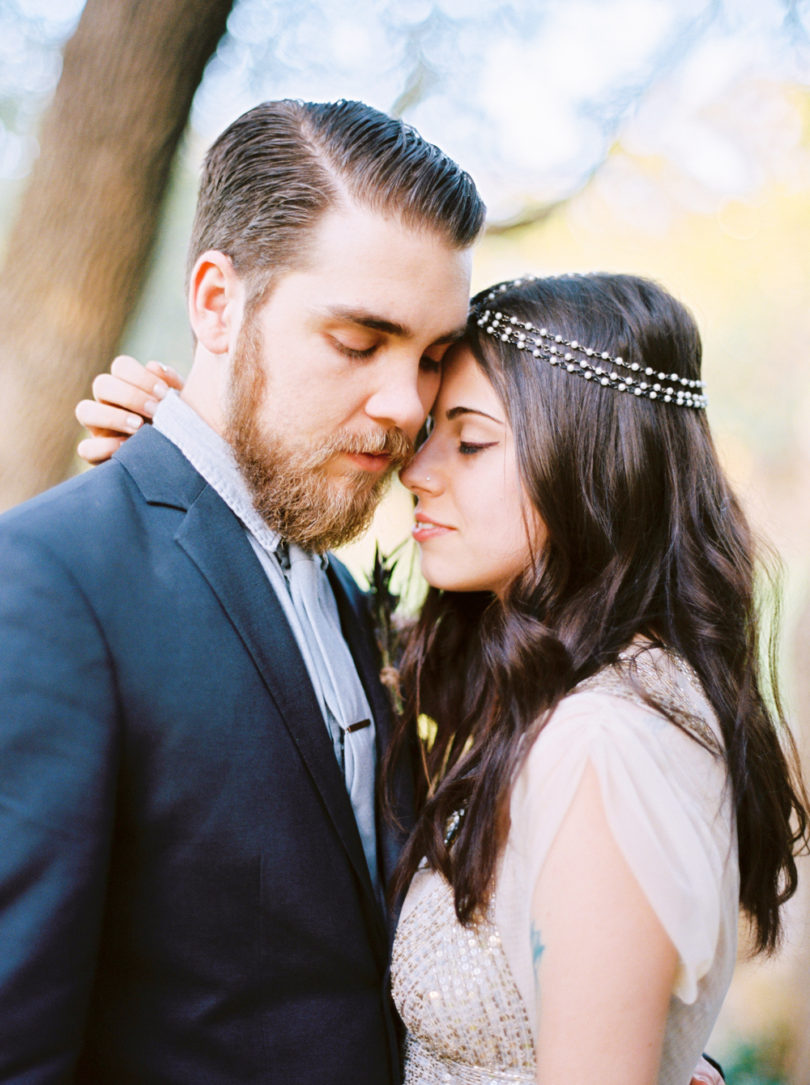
(757, 1064)
(31, 36)
(530, 95)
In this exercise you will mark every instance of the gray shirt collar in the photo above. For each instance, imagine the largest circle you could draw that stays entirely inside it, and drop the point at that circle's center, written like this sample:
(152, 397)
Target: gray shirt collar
(213, 458)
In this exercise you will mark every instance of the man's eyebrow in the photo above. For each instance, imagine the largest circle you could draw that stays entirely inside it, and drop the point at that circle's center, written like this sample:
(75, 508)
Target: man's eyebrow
(454, 412)
(390, 327)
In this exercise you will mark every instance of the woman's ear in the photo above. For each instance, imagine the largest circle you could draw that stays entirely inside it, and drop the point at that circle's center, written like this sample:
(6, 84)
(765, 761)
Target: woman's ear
(215, 298)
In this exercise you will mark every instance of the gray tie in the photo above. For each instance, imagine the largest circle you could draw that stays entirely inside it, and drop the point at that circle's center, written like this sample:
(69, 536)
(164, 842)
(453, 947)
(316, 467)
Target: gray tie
(342, 691)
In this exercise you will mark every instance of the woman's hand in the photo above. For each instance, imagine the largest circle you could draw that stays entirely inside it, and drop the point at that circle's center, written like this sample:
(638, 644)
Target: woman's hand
(123, 400)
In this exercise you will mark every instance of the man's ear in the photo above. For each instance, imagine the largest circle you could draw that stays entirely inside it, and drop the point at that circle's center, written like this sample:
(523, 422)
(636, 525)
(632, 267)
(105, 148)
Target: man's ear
(215, 299)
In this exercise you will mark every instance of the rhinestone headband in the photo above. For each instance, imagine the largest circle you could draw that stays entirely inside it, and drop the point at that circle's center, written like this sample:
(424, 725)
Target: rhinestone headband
(584, 362)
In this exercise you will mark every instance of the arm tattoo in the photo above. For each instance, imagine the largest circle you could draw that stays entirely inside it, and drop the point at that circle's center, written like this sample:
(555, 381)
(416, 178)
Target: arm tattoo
(537, 951)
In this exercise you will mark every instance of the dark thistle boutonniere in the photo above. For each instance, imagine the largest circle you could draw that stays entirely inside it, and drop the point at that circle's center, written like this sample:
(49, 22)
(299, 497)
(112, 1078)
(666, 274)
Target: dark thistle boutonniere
(389, 627)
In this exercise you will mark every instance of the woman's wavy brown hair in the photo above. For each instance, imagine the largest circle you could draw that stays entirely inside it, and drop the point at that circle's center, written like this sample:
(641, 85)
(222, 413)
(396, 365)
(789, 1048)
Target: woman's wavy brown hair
(643, 537)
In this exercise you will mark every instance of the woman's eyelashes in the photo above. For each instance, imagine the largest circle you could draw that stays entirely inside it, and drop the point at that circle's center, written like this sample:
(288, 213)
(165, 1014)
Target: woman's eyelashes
(469, 448)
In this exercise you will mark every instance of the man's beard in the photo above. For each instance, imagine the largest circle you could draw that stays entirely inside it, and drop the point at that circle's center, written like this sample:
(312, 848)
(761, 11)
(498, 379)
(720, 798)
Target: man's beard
(289, 483)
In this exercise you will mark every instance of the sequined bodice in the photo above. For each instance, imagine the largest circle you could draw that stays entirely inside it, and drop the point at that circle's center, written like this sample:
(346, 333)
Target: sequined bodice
(466, 994)
(467, 1023)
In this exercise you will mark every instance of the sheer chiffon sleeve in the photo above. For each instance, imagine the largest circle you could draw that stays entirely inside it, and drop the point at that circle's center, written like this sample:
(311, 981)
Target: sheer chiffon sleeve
(667, 801)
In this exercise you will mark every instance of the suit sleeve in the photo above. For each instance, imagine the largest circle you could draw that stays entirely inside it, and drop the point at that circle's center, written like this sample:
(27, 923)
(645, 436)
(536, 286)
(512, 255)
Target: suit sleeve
(58, 761)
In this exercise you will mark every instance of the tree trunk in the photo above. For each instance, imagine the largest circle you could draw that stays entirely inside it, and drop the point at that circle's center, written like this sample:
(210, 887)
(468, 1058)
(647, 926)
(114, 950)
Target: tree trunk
(77, 255)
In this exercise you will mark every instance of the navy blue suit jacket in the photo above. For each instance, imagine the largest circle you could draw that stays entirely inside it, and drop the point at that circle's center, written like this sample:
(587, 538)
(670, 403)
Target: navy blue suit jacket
(183, 893)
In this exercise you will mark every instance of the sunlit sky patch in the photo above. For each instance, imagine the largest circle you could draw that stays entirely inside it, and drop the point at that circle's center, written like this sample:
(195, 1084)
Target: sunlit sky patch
(530, 96)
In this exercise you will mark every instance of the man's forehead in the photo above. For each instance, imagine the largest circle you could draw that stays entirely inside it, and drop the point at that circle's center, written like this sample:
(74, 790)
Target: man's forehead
(349, 238)
(370, 269)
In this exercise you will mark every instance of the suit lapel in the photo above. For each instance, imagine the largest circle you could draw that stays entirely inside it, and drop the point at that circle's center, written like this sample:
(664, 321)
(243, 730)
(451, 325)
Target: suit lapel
(215, 541)
(356, 624)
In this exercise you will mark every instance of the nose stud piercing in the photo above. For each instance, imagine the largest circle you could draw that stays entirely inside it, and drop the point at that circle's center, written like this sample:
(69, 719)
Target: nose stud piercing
(427, 478)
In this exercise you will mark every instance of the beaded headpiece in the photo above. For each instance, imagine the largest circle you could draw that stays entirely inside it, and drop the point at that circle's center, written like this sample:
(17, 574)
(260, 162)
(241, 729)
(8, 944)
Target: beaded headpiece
(584, 362)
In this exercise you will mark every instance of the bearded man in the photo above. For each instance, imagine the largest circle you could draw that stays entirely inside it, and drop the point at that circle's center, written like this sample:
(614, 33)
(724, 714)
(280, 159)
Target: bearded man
(192, 873)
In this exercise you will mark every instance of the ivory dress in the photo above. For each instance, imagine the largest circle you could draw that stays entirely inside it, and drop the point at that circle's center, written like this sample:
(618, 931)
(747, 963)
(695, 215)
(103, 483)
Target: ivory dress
(466, 995)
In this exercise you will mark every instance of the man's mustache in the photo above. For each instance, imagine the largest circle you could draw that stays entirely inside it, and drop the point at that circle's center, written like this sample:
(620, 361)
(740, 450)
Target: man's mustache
(389, 442)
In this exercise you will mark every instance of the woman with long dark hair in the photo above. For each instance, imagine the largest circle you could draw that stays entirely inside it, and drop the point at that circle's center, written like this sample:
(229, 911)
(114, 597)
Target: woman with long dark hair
(607, 772)
(604, 771)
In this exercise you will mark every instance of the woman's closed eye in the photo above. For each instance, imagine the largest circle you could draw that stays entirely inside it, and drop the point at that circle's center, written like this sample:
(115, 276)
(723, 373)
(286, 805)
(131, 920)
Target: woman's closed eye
(469, 448)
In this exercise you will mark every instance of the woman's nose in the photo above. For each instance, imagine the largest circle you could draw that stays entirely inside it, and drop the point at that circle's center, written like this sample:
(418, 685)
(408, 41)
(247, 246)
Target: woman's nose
(421, 475)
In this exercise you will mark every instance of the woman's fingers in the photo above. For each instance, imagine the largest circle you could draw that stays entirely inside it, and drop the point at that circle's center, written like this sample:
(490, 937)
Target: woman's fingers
(128, 369)
(104, 420)
(123, 399)
(167, 374)
(116, 391)
(134, 386)
(98, 449)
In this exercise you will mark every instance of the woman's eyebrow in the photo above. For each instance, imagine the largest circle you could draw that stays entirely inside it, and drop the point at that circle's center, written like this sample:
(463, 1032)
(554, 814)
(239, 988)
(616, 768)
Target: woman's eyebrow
(454, 412)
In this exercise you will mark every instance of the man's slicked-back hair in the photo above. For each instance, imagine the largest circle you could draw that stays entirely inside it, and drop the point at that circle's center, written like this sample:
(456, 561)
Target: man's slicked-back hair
(270, 176)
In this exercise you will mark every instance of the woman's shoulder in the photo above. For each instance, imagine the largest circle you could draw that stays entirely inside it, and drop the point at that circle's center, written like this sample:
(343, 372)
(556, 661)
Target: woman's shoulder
(651, 688)
(646, 726)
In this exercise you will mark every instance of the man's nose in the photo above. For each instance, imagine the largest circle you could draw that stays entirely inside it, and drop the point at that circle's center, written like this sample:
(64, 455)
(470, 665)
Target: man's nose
(402, 400)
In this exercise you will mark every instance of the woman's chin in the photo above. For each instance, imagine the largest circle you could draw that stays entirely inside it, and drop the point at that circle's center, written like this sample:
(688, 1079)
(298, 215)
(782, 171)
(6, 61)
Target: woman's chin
(436, 574)
(448, 577)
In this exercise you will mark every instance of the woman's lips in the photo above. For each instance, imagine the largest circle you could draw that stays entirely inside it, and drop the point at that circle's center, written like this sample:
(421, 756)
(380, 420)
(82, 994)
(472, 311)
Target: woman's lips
(425, 528)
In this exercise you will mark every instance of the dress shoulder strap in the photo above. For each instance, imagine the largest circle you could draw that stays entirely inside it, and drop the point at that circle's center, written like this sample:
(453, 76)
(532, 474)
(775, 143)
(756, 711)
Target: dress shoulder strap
(659, 678)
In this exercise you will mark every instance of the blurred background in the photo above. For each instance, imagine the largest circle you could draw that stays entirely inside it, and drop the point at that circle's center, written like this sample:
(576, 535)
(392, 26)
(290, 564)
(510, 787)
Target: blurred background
(669, 138)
